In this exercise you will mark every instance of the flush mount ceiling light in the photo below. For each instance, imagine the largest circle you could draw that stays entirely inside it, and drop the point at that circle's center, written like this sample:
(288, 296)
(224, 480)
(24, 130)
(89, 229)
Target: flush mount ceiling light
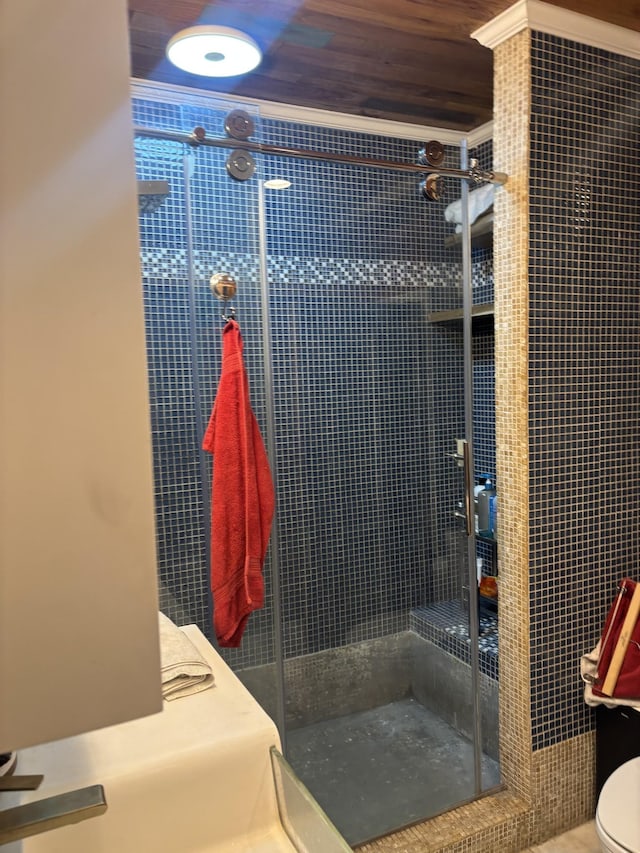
(213, 51)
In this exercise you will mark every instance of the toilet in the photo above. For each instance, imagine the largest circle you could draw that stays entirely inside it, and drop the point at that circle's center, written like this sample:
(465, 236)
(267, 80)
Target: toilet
(618, 811)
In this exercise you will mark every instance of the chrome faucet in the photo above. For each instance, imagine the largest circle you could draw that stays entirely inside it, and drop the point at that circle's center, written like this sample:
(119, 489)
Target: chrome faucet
(49, 813)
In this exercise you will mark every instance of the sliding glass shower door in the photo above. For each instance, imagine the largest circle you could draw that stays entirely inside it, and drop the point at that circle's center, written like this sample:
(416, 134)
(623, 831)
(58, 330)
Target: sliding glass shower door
(379, 612)
(202, 223)
(363, 652)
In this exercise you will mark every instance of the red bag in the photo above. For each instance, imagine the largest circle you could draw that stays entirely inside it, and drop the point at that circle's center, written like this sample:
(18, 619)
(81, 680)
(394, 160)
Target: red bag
(628, 683)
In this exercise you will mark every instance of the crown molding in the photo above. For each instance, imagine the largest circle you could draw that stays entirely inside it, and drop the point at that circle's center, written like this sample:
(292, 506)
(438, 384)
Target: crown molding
(168, 92)
(480, 134)
(545, 18)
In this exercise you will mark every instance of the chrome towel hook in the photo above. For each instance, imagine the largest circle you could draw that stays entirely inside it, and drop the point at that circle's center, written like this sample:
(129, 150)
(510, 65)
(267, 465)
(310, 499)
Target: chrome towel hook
(224, 287)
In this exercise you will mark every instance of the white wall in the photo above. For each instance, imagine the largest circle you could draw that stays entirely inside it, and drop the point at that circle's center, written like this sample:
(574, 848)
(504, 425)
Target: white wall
(78, 602)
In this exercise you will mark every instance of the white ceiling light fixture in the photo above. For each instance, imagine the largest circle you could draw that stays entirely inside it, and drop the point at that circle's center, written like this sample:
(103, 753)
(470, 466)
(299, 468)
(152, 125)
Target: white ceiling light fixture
(213, 51)
(277, 184)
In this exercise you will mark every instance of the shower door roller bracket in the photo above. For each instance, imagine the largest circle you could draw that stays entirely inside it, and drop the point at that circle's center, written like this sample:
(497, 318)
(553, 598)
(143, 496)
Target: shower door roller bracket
(432, 154)
(432, 187)
(241, 165)
(239, 124)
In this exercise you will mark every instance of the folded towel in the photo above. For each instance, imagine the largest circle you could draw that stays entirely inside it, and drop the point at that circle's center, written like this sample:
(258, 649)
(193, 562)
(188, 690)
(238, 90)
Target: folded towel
(184, 670)
(480, 200)
(589, 674)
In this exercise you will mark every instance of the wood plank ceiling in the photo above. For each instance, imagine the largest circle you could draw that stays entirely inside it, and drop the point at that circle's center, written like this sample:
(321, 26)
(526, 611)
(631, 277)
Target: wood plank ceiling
(400, 60)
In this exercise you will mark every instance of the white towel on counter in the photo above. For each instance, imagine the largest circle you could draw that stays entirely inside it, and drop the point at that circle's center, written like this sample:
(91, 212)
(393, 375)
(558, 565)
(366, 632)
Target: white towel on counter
(480, 200)
(184, 670)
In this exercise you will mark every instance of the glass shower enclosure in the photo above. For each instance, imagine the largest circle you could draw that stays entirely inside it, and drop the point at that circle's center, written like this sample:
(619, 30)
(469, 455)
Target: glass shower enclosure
(366, 653)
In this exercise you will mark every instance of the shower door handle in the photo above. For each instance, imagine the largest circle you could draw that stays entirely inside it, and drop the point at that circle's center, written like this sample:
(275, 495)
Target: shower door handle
(468, 487)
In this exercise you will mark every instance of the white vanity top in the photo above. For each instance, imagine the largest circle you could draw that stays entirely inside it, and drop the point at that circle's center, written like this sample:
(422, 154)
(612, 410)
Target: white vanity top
(195, 777)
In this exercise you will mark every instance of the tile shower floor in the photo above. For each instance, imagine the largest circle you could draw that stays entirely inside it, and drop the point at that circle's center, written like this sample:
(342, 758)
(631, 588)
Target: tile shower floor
(377, 770)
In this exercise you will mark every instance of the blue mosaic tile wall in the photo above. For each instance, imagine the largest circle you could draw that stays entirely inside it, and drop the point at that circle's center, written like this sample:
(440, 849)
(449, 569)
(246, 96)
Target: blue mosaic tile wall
(365, 407)
(584, 374)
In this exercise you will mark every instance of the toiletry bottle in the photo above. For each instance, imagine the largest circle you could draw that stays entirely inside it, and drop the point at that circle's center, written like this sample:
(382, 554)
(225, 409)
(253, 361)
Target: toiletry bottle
(479, 566)
(493, 513)
(476, 491)
(484, 506)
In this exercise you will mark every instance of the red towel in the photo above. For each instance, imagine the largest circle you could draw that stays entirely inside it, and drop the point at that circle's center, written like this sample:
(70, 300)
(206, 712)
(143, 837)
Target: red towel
(242, 497)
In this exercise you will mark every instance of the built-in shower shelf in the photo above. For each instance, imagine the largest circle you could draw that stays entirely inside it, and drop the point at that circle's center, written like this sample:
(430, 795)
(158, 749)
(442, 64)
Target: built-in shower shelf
(456, 314)
(481, 234)
(488, 605)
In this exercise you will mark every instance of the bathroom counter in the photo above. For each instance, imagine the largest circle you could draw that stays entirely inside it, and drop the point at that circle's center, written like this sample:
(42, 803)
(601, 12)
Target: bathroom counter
(195, 777)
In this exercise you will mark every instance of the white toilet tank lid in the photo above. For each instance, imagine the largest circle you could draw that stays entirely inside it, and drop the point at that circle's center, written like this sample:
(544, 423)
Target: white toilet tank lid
(619, 806)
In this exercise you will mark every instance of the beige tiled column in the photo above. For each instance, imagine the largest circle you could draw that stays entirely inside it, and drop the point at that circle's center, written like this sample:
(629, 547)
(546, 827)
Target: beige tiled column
(512, 97)
(557, 782)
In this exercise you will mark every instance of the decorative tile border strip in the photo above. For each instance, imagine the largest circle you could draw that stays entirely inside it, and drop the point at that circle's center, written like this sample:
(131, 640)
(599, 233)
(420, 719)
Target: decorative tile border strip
(172, 264)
